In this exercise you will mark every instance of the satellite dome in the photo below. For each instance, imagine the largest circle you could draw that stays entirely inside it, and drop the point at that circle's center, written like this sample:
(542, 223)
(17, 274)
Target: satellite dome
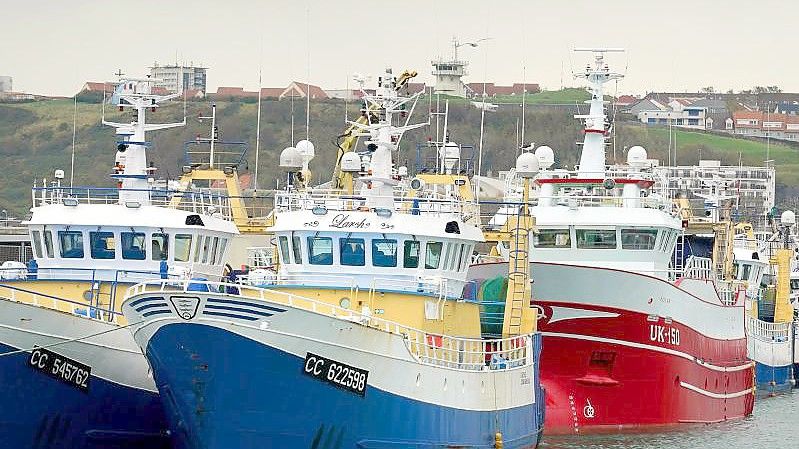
(290, 159)
(545, 155)
(527, 165)
(636, 156)
(350, 162)
(788, 218)
(306, 149)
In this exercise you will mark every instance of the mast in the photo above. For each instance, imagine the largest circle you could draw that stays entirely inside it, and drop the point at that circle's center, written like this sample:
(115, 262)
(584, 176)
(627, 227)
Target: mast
(384, 137)
(132, 175)
(592, 159)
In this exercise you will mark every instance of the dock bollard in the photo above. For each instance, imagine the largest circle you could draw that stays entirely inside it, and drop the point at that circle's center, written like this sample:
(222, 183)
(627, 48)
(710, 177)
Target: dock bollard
(498, 440)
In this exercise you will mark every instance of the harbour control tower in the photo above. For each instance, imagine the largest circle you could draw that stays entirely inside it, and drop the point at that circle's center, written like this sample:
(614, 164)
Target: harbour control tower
(448, 72)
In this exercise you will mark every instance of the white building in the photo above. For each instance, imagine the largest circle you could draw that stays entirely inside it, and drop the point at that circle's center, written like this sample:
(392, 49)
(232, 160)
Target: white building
(754, 188)
(448, 77)
(5, 84)
(177, 78)
(678, 112)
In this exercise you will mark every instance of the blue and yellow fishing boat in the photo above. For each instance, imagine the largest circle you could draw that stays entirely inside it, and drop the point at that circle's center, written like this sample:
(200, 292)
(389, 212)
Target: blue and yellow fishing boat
(362, 337)
(72, 376)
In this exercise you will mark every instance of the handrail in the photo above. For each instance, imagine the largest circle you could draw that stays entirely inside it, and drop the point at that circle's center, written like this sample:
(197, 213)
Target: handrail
(17, 294)
(434, 204)
(463, 353)
(698, 268)
(771, 332)
(435, 285)
(192, 201)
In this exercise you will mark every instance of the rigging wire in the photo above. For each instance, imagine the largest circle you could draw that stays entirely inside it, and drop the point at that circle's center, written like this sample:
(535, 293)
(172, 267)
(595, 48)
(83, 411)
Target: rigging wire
(71, 340)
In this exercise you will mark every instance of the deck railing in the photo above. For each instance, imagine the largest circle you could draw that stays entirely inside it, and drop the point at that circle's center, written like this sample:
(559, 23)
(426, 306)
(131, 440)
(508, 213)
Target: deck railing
(191, 201)
(772, 332)
(334, 200)
(471, 354)
(698, 268)
(22, 295)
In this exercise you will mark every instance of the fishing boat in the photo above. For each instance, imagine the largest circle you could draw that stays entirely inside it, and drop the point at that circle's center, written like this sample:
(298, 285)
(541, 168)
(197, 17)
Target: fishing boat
(637, 332)
(73, 377)
(770, 315)
(362, 337)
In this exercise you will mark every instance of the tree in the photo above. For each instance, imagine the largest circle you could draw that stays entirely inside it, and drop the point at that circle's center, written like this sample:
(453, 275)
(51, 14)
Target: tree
(707, 90)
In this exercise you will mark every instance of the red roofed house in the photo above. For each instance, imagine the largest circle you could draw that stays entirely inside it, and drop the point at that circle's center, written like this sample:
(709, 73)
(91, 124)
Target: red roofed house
(271, 92)
(300, 90)
(626, 100)
(90, 86)
(763, 124)
(234, 92)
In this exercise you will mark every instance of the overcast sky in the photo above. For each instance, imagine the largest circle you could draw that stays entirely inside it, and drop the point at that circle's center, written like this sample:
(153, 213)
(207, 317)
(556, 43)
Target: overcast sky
(53, 47)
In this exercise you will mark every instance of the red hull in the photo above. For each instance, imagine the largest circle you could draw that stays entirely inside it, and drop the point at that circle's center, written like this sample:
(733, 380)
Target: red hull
(607, 375)
(628, 351)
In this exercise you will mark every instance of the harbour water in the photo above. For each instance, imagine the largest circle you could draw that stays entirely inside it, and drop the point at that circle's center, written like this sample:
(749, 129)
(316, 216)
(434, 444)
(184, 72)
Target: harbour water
(771, 426)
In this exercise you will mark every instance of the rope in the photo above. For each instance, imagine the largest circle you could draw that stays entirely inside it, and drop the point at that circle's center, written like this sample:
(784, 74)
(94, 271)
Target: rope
(72, 340)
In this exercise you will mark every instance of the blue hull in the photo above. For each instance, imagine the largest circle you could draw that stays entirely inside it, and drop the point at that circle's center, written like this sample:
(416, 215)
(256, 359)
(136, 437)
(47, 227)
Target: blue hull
(771, 380)
(224, 391)
(39, 412)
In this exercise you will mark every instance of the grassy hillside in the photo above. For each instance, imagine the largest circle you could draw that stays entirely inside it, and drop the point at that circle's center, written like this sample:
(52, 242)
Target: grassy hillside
(35, 139)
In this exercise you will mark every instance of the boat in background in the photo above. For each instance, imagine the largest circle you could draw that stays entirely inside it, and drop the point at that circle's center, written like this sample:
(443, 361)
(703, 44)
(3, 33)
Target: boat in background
(770, 315)
(637, 332)
(65, 354)
(362, 337)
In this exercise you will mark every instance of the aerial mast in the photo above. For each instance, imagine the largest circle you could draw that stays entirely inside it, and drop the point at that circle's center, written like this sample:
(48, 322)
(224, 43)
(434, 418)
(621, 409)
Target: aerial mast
(592, 159)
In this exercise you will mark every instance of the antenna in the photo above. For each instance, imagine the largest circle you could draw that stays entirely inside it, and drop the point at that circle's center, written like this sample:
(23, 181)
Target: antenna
(74, 132)
(257, 133)
(308, 74)
(524, 102)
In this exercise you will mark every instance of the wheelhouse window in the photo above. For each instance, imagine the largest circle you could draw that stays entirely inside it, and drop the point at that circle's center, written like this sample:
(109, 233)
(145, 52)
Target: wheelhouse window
(284, 249)
(297, 247)
(384, 252)
(102, 245)
(37, 244)
(48, 243)
(206, 248)
(133, 245)
(221, 253)
(642, 239)
(160, 246)
(449, 252)
(182, 247)
(71, 244)
(353, 252)
(746, 271)
(433, 255)
(596, 238)
(553, 238)
(198, 246)
(467, 255)
(411, 254)
(461, 257)
(320, 250)
(214, 247)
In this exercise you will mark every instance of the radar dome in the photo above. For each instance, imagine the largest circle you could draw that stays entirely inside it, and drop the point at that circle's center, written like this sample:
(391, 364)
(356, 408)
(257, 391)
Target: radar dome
(788, 218)
(527, 165)
(290, 159)
(306, 149)
(545, 155)
(636, 156)
(450, 153)
(350, 162)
